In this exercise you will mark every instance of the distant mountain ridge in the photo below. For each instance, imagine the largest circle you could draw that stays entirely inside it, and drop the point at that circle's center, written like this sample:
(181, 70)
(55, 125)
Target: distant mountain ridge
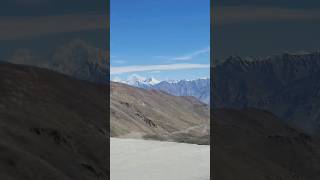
(138, 81)
(198, 88)
(75, 58)
(287, 85)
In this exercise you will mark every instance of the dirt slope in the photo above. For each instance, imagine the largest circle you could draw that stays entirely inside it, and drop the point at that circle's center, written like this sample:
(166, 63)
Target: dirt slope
(140, 113)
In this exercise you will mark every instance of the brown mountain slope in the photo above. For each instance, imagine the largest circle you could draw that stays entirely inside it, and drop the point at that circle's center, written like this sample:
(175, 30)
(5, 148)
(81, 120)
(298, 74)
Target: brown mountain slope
(140, 113)
(51, 126)
(254, 144)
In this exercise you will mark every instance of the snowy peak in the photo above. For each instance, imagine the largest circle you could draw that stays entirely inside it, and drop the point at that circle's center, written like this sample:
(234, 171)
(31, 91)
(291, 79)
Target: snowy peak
(134, 79)
(137, 80)
(152, 81)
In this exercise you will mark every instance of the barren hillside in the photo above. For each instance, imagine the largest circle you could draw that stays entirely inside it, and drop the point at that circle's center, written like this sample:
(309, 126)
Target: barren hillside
(152, 114)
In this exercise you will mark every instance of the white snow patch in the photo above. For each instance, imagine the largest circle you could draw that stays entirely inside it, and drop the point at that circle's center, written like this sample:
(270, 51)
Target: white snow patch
(145, 160)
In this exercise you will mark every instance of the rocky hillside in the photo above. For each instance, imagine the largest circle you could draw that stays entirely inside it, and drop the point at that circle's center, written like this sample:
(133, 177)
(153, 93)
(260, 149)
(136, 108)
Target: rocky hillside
(51, 126)
(286, 85)
(152, 114)
(255, 144)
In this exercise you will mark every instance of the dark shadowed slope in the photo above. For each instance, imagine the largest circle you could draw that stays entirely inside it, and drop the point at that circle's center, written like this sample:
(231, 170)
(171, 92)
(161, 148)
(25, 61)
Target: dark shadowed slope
(255, 144)
(141, 113)
(52, 126)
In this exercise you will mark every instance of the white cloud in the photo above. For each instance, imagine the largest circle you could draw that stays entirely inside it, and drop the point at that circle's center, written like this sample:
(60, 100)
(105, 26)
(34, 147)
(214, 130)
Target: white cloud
(192, 55)
(186, 57)
(165, 67)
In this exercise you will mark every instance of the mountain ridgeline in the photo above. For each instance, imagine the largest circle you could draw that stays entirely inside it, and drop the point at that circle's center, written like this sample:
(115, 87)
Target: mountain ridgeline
(287, 85)
(76, 58)
(198, 88)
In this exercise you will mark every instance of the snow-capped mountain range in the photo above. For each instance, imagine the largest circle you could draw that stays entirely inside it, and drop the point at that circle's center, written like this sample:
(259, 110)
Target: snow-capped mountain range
(138, 81)
(199, 88)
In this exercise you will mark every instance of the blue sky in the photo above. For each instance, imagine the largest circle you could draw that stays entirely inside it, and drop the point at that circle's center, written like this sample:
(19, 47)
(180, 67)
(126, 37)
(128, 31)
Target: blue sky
(148, 35)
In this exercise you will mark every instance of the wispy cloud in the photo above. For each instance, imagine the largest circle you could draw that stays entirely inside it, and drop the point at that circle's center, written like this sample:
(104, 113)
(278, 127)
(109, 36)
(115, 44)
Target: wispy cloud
(242, 14)
(186, 57)
(24, 27)
(165, 67)
(192, 55)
